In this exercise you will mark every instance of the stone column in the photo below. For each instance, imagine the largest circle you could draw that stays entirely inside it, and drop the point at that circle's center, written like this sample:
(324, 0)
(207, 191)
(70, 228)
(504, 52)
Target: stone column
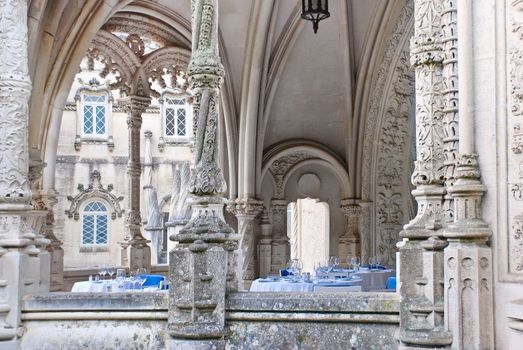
(349, 241)
(55, 246)
(135, 253)
(16, 237)
(41, 269)
(203, 266)
(246, 210)
(365, 229)
(468, 258)
(421, 251)
(450, 95)
(264, 245)
(280, 241)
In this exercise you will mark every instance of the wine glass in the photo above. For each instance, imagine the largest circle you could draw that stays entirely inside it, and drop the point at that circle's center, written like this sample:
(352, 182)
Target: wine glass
(377, 261)
(372, 262)
(111, 272)
(355, 262)
(141, 271)
(299, 266)
(102, 272)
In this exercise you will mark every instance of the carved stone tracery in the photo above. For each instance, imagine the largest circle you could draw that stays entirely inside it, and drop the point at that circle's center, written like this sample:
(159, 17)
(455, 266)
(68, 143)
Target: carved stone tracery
(94, 190)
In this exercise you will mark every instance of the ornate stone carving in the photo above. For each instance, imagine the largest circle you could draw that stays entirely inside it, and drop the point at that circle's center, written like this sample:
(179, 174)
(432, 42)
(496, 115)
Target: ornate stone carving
(349, 241)
(517, 140)
(516, 251)
(179, 209)
(94, 189)
(387, 162)
(246, 210)
(281, 166)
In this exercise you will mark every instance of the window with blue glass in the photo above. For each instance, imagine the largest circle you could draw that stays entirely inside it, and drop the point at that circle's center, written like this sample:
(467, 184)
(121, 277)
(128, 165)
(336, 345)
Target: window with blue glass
(95, 220)
(94, 115)
(175, 117)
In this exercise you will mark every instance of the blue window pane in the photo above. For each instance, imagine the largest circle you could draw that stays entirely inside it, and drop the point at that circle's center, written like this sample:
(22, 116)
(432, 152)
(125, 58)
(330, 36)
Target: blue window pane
(94, 98)
(170, 128)
(95, 206)
(181, 121)
(100, 120)
(88, 229)
(101, 229)
(88, 119)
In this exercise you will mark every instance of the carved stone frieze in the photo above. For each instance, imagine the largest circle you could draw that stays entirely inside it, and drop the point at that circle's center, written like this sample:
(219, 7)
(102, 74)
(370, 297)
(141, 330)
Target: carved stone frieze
(281, 166)
(94, 189)
(387, 162)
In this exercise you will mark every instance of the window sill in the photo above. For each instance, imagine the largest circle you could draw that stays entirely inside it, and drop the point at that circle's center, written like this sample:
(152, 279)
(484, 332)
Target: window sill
(94, 249)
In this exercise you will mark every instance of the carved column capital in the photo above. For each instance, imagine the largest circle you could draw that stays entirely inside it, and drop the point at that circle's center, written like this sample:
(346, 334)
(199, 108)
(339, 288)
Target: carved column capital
(350, 209)
(135, 105)
(245, 207)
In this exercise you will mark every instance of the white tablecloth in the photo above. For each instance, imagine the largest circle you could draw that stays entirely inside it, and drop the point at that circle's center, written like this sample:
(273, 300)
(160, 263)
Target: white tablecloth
(374, 279)
(96, 287)
(281, 286)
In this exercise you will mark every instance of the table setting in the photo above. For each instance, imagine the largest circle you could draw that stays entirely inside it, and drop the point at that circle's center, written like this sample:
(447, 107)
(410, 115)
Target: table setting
(329, 277)
(136, 281)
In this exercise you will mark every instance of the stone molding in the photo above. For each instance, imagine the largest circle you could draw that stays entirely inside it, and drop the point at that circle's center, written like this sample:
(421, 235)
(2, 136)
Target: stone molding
(94, 190)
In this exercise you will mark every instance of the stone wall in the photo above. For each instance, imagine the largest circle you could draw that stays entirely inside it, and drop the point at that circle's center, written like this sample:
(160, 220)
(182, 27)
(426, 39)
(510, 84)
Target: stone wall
(253, 321)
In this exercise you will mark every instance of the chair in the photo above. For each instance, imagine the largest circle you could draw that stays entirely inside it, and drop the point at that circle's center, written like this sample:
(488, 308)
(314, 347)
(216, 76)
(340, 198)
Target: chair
(152, 280)
(391, 283)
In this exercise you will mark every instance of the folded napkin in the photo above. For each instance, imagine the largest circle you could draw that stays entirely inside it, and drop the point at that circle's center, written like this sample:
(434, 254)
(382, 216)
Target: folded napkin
(285, 272)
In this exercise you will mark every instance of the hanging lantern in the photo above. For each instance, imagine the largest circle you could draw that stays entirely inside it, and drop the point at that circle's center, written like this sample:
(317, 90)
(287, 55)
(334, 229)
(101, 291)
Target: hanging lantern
(315, 11)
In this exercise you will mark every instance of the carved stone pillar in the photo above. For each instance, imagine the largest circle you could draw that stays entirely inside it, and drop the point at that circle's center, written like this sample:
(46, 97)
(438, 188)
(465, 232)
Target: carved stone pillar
(349, 241)
(135, 253)
(203, 266)
(364, 229)
(280, 242)
(450, 95)
(16, 238)
(55, 245)
(264, 245)
(421, 251)
(468, 258)
(246, 210)
(41, 270)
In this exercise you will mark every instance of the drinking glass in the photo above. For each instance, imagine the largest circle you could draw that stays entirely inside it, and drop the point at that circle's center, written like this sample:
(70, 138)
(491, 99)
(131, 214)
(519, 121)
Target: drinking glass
(141, 271)
(111, 272)
(102, 272)
(372, 263)
(120, 273)
(377, 261)
(355, 262)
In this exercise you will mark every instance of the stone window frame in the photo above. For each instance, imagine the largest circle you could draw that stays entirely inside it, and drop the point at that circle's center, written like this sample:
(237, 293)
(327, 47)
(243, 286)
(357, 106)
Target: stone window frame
(176, 139)
(83, 138)
(95, 247)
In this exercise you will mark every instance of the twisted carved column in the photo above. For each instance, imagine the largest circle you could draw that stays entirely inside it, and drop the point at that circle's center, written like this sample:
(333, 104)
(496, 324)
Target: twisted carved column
(280, 241)
(203, 266)
(246, 210)
(16, 238)
(135, 253)
(349, 242)
(421, 251)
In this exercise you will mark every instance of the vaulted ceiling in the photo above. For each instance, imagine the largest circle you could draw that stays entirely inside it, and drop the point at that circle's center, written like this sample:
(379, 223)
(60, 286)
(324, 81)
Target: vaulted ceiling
(283, 81)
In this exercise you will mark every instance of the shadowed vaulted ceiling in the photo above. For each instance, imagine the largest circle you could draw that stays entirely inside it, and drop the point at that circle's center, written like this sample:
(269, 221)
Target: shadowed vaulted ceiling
(283, 82)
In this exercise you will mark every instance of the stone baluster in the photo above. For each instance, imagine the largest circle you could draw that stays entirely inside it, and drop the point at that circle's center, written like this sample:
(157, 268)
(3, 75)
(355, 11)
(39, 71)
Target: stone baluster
(280, 241)
(135, 251)
(246, 210)
(264, 244)
(468, 258)
(203, 265)
(50, 198)
(349, 241)
(421, 250)
(147, 173)
(16, 238)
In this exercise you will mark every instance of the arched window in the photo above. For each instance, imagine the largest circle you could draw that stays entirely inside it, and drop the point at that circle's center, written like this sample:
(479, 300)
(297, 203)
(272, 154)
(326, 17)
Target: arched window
(175, 115)
(94, 110)
(95, 220)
